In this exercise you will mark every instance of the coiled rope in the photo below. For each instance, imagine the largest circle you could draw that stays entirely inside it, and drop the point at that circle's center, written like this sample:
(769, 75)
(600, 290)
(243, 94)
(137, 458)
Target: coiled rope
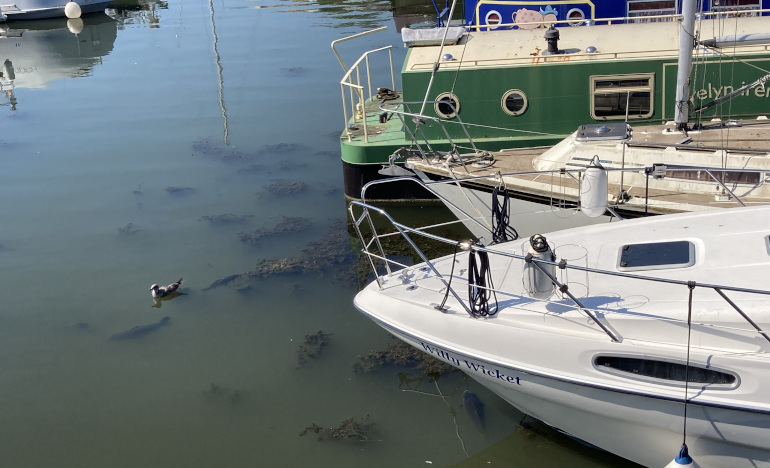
(501, 217)
(480, 284)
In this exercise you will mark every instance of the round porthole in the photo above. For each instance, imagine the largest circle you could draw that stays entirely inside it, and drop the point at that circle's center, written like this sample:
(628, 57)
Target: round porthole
(514, 102)
(447, 105)
(576, 17)
(493, 18)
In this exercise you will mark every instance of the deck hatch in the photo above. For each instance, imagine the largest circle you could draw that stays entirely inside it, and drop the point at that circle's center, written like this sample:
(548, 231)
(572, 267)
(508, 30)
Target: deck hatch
(663, 370)
(656, 256)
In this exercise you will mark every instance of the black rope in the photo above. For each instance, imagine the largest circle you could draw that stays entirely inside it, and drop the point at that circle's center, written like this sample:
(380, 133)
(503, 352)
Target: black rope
(480, 284)
(501, 217)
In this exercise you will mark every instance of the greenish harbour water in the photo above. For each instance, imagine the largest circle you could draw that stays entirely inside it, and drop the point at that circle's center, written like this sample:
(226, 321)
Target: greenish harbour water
(197, 139)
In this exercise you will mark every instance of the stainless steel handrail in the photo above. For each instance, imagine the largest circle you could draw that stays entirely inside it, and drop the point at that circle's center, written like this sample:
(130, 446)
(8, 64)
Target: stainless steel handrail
(393, 108)
(404, 231)
(623, 19)
(351, 82)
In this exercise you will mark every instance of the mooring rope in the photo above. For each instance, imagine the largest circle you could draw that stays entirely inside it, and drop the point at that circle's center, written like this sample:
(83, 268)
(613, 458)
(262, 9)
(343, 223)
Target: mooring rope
(480, 284)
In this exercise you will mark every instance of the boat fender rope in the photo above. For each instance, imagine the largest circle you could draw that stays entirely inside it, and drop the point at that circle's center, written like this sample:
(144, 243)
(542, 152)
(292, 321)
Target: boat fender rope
(501, 217)
(480, 284)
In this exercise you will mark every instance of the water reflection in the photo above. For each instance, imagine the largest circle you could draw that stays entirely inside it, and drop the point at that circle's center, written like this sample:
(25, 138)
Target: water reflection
(35, 53)
(136, 185)
(421, 13)
(345, 13)
(130, 12)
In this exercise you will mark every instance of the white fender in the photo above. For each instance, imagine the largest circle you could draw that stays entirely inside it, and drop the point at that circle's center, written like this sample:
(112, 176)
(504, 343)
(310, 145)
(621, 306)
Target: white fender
(593, 190)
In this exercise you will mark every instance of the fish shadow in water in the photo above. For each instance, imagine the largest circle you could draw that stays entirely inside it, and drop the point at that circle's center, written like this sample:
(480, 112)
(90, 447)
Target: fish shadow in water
(140, 331)
(475, 409)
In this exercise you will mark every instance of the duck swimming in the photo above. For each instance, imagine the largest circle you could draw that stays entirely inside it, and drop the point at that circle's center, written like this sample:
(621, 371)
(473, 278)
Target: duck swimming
(163, 291)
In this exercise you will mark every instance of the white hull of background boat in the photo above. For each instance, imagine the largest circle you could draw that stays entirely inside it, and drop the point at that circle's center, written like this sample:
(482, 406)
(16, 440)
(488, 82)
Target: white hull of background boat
(41, 9)
(564, 362)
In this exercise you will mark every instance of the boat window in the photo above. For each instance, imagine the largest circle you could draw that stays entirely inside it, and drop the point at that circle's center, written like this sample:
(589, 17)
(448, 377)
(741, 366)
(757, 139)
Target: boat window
(614, 96)
(576, 17)
(447, 105)
(737, 5)
(514, 102)
(656, 256)
(643, 10)
(727, 177)
(663, 370)
(493, 18)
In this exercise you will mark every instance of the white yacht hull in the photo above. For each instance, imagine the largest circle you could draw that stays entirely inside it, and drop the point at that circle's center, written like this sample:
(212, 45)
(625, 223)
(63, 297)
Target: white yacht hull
(42, 9)
(633, 329)
(646, 429)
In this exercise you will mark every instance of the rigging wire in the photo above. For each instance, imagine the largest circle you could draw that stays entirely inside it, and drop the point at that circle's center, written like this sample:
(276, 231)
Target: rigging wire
(460, 62)
(449, 283)
(691, 286)
(440, 52)
(697, 60)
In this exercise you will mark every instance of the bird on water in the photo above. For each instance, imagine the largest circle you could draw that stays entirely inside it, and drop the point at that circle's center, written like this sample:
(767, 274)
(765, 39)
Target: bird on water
(163, 291)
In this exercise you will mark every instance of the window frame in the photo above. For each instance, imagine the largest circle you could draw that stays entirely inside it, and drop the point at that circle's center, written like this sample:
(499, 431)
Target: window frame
(737, 10)
(658, 380)
(594, 91)
(438, 102)
(641, 16)
(509, 93)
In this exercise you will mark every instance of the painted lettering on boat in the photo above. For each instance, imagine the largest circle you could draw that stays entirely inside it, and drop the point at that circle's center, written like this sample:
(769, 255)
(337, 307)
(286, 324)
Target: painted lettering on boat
(715, 92)
(480, 368)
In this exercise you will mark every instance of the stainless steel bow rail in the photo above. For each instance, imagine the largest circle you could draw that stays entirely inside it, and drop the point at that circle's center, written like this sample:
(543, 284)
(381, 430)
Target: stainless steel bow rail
(418, 139)
(364, 224)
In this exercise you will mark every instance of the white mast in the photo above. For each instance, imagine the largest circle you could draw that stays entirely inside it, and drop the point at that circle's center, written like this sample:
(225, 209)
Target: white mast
(686, 46)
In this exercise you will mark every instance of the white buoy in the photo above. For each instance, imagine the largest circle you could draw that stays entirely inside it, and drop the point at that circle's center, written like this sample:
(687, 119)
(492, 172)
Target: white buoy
(72, 10)
(75, 25)
(536, 283)
(683, 459)
(593, 190)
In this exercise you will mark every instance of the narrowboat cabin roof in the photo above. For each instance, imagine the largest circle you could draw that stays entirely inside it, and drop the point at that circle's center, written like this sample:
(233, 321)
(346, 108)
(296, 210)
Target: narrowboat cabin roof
(612, 42)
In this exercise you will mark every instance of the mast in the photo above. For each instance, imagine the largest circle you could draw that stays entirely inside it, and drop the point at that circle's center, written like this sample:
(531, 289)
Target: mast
(684, 67)
(219, 73)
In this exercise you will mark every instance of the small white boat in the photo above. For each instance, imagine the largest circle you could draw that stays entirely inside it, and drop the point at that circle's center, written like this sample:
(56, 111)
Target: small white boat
(633, 336)
(11, 10)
